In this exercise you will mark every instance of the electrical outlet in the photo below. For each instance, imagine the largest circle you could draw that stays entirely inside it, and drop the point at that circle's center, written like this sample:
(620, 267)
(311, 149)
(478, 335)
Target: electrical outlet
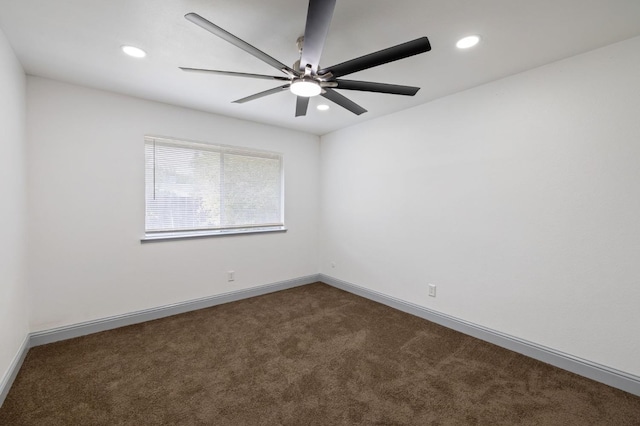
(333, 264)
(432, 290)
(231, 275)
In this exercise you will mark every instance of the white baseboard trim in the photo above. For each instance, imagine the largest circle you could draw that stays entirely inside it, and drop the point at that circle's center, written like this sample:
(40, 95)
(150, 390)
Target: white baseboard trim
(14, 367)
(607, 375)
(600, 373)
(89, 327)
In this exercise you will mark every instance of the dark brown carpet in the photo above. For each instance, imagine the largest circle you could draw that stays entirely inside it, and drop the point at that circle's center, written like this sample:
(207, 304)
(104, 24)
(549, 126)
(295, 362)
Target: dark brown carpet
(312, 355)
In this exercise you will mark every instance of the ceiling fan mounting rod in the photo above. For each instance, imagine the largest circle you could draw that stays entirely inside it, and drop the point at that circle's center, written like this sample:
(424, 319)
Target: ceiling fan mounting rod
(308, 70)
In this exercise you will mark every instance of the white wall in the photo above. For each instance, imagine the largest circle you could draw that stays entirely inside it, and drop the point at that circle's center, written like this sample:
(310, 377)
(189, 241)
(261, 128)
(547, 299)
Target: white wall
(519, 199)
(86, 204)
(13, 302)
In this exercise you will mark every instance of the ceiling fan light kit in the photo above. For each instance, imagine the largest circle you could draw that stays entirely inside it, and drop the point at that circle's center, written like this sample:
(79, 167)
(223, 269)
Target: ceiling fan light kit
(306, 79)
(305, 87)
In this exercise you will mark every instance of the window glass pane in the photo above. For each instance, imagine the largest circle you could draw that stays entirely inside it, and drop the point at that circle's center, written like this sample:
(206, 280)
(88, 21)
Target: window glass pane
(185, 189)
(251, 190)
(193, 186)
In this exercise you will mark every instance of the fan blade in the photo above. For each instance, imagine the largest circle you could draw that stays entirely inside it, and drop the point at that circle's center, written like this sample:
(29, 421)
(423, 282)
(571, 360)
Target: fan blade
(367, 86)
(401, 51)
(336, 97)
(227, 36)
(319, 17)
(262, 94)
(235, 74)
(301, 106)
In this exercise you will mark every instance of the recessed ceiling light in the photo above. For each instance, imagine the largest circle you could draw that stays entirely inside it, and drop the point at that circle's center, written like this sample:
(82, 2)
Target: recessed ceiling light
(467, 42)
(134, 51)
(305, 88)
(323, 107)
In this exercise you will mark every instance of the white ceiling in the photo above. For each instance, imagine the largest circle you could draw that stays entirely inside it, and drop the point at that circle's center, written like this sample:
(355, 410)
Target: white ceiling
(79, 41)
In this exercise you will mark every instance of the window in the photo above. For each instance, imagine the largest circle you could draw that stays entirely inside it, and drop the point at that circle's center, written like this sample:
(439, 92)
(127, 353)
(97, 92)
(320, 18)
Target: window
(197, 189)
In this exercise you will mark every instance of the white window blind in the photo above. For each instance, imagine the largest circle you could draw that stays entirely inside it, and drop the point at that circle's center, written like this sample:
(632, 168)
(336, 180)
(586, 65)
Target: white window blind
(199, 188)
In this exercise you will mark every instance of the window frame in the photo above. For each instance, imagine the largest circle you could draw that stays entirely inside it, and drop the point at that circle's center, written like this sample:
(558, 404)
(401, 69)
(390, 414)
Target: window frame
(161, 235)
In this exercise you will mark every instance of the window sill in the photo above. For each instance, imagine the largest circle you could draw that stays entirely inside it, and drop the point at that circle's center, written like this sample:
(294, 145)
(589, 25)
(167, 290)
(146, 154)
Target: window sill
(205, 234)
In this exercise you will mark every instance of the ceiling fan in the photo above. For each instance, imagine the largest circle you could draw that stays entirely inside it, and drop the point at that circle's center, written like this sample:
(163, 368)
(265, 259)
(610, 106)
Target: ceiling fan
(306, 79)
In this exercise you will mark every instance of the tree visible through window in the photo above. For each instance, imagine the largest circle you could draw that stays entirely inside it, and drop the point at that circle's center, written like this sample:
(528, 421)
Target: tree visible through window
(198, 188)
